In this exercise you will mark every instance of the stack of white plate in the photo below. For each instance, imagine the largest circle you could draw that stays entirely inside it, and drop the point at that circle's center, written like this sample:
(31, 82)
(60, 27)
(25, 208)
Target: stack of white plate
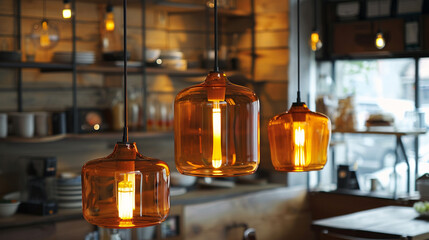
(69, 192)
(81, 57)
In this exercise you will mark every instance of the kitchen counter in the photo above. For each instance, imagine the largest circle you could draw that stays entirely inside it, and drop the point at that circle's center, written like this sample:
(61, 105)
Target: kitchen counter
(192, 197)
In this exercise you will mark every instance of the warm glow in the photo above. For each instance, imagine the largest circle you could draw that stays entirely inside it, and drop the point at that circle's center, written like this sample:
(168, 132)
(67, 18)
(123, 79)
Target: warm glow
(96, 127)
(217, 148)
(299, 146)
(315, 42)
(44, 36)
(110, 23)
(67, 11)
(314, 37)
(126, 198)
(379, 41)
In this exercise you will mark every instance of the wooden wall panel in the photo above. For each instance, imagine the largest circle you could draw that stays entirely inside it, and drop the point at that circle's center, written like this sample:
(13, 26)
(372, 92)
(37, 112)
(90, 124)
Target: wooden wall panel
(272, 21)
(264, 6)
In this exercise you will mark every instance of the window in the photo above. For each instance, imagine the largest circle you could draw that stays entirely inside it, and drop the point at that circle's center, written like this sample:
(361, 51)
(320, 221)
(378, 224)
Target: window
(379, 86)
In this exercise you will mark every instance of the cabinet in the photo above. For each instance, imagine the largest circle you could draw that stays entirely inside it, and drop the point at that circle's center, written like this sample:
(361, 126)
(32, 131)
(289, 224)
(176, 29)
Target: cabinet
(186, 25)
(349, 29)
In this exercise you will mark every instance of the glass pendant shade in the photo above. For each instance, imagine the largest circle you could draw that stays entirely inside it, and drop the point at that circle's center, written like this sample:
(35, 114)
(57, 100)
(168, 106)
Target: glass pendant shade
(216, 129)
(125, 189)
(299, 139)
(45, 35)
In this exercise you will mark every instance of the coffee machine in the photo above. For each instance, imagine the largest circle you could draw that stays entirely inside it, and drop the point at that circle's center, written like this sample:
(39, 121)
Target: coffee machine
(38, 185)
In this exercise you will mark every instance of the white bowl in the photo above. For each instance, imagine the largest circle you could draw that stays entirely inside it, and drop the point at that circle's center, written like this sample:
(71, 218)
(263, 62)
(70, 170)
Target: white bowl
(8, 209)
(152, 54)
(178, 179)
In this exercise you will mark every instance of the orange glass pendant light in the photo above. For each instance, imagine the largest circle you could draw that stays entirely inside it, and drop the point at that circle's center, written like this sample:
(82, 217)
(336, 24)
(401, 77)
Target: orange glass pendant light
(299, 138)
(125, 189)
(216, 126)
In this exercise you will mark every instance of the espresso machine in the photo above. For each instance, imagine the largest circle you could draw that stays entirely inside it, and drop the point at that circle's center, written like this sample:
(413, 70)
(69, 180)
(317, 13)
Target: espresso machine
(38, 185)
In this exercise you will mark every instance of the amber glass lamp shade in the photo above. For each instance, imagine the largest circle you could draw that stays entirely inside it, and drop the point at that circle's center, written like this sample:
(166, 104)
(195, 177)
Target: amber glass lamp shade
(216, 126)
(125, 189)
(299, 139)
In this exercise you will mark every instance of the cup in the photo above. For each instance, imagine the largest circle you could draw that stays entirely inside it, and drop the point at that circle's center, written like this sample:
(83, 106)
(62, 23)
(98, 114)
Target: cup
(59, 123)
(23, 124)
(3, 125)
(41, 124)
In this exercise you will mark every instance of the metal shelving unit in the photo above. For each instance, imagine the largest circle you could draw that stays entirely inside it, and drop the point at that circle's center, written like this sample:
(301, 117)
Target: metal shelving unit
(143, 70)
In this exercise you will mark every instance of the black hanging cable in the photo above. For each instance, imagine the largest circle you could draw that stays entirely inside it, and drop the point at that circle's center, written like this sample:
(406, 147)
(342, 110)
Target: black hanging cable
(216, 40)
(44, 10)
(315, 16)
(125, 134)
(298, 98)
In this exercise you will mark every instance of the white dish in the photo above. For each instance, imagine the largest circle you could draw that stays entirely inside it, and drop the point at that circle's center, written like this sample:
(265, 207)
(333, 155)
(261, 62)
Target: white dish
(69, 198)
(8, 209)
(69, 188)
(70, 204)
(69, 192)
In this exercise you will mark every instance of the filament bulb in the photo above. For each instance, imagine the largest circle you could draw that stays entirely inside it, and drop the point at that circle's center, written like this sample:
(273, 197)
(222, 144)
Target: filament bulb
(217, 150)
(126, 199)
(299, 146)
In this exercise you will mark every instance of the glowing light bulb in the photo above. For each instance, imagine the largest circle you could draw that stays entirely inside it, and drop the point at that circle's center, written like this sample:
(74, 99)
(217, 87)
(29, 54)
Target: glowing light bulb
(109, 22)
(44, 36)
(380, 43)
(315, 41)
(217, 148)
(66, 10)
(299, 146)
(96, 127)
(126, 199)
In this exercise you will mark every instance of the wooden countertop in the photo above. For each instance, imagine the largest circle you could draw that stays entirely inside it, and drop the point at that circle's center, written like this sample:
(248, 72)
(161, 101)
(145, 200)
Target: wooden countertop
(391, 221)
(191, 197)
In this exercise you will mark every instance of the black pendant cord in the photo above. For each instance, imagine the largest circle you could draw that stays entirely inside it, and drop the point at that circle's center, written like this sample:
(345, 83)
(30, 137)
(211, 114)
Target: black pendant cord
(298, 98)
(216, 39)
(379, 12)
(125, 134)
(315, 16)
(44, 10)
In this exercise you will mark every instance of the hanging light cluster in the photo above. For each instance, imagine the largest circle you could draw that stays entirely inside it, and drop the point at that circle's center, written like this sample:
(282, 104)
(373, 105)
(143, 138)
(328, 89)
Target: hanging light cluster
(299, 138)
(125, 189)
(216, 126)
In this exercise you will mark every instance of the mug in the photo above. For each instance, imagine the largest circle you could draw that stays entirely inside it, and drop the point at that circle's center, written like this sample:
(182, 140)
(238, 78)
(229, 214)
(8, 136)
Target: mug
(41, 124)
(23, 123)
(3, 125)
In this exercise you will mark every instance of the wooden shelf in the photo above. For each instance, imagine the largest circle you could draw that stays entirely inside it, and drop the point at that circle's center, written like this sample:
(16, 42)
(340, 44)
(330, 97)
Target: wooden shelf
(386, 132)
(41, 65)
(85, 136)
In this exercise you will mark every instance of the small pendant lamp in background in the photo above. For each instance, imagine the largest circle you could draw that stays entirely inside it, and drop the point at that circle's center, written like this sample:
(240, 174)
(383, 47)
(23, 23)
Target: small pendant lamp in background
(216, 126)
(67, 9)
(125, 189)
(380, 42)
(109, 20)
(299, 138)
(315, 42)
